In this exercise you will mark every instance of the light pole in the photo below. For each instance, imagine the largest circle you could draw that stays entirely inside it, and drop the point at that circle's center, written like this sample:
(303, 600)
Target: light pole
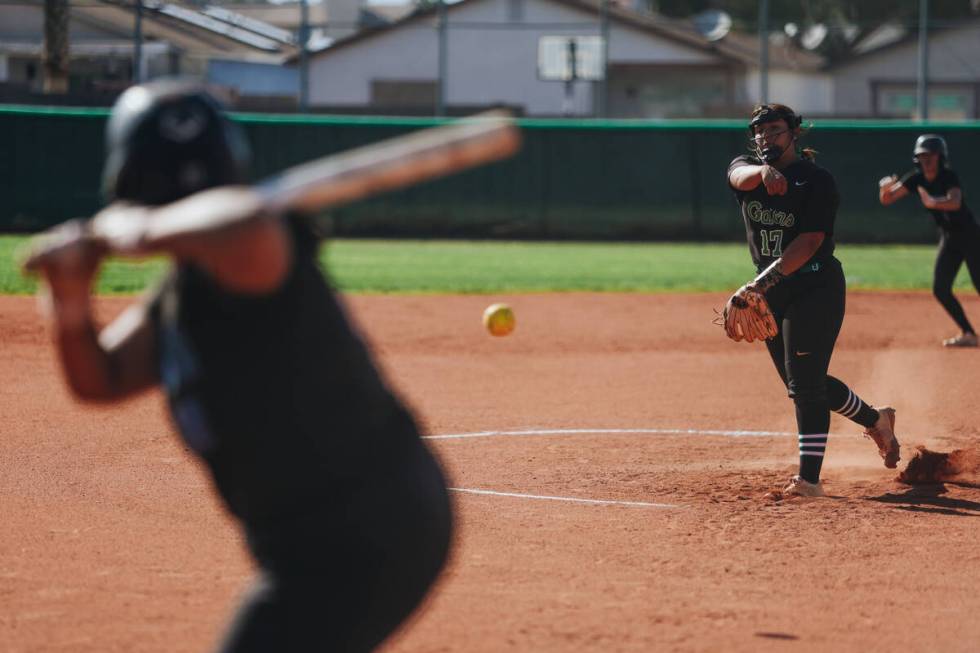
(763, 51)
(442, 27)
(923, 89)
(304, 55)
(138, 43)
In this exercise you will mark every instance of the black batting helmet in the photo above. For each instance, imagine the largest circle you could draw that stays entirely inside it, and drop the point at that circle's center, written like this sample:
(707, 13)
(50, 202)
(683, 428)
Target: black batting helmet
(931, 143)
(168, 139)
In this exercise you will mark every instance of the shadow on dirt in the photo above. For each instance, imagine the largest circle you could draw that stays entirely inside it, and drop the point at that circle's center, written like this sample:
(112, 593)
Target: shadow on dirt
(929, 498)
(783, 636)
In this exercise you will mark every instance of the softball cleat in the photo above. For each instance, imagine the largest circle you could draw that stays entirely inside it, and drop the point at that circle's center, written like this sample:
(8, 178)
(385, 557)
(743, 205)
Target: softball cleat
(801, 487)
(962, 340)
(883, 435)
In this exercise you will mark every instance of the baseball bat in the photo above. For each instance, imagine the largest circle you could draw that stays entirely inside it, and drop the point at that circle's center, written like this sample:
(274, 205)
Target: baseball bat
(392, 164)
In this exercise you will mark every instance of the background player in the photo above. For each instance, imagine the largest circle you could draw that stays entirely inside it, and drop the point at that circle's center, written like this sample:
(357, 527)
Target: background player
(938, 186)
(344, 509)
(789, 205)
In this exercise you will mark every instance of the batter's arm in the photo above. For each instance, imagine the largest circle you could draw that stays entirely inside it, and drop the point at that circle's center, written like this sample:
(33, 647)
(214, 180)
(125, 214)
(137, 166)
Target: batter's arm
(225, 231)
(951, 201)
(117, 363)
(98, 367)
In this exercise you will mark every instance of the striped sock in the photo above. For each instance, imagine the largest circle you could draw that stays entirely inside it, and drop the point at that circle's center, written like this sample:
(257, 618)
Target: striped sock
(812, 447)
(856, 410)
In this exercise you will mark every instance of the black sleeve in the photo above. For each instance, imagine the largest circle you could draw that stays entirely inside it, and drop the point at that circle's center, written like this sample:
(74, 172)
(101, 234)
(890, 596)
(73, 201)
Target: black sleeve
(738, 162)
(821, 209)
(951, 179)
(912, 180)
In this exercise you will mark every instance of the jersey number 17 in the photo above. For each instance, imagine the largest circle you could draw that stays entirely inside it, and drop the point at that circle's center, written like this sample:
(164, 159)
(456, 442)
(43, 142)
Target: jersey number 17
(771, 242)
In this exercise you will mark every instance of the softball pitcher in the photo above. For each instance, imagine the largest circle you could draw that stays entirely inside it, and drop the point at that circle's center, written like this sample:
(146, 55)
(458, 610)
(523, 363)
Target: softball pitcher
(796, 303)
(938, 187)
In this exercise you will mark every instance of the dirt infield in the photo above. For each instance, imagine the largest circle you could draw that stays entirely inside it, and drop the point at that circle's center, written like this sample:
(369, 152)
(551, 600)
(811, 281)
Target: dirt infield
(630, 518)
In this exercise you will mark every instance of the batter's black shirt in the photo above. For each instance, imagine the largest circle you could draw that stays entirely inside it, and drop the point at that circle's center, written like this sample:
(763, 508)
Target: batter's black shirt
(772, 222)
(275, 392)
(946, 179)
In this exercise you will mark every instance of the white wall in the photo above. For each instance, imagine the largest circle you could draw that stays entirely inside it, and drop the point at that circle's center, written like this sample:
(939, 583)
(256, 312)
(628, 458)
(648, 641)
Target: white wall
(811, 93)
(484, 65)
(344, 76)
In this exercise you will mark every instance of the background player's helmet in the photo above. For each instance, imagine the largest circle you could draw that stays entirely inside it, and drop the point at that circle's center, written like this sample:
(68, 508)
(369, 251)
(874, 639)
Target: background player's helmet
(771, 113)
(168, 139)
(933, 143)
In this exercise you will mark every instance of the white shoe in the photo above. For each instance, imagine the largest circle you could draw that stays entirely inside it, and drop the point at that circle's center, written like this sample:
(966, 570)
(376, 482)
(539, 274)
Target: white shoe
(883, 434)
(801, 487)
(962, 340)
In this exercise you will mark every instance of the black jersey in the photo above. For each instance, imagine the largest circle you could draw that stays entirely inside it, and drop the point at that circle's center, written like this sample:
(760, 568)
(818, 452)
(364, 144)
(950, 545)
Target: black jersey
(275, 392)
(773, 221)
(962, 218)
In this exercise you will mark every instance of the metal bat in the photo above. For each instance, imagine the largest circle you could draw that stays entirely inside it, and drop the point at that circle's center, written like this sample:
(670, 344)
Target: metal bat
(392, 164)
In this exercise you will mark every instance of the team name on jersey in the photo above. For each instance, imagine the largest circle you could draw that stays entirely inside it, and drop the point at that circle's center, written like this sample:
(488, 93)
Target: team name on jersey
(769, 216)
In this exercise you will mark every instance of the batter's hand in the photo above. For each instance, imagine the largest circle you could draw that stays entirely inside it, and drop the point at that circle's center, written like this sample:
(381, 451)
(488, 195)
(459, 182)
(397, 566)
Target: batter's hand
(67, 256)
(774, 181)
(887, 181)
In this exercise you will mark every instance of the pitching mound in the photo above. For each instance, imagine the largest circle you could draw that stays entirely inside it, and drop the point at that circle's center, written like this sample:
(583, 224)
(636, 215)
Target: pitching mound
(935, 467)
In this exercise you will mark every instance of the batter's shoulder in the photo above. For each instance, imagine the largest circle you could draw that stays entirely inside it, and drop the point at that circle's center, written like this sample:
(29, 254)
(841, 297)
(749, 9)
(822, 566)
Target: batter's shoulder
(951, 179)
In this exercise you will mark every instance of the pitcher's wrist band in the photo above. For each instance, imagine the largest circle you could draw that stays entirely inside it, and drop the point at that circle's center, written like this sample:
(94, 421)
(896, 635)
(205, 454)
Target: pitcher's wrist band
(769, 277)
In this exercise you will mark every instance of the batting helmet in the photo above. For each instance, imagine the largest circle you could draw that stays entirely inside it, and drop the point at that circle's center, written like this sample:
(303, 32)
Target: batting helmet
(168, 139)
(931, 143)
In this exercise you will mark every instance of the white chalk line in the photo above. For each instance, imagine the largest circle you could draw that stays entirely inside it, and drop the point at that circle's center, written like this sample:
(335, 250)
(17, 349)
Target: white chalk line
(543, 432)
(543, 497)
(594, 502)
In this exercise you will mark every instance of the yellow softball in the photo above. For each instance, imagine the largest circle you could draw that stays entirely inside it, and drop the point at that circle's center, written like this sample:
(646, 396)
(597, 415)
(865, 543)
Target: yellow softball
(498, 319)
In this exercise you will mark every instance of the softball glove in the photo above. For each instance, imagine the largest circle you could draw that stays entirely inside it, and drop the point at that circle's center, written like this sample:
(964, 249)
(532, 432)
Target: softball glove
(747, 316)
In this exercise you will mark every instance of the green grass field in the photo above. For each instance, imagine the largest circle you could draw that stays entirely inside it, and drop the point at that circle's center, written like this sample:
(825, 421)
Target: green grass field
(441, 266)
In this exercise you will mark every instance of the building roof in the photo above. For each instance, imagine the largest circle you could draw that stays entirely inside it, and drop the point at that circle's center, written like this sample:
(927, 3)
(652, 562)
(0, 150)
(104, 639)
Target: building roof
(738, 48)
(890, 36)
(287, 15)
(186, 29)
(283, 15)
(784, 54)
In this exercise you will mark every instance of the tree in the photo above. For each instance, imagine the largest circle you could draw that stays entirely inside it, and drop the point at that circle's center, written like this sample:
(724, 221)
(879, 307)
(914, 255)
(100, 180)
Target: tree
(845, 20)
(864, 14)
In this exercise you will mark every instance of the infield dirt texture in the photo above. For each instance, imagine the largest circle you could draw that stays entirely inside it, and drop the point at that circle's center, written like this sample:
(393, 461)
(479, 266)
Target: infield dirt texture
(651, 539)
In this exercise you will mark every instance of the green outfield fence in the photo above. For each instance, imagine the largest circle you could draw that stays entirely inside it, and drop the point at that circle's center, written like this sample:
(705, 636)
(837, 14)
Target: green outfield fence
(573, 179)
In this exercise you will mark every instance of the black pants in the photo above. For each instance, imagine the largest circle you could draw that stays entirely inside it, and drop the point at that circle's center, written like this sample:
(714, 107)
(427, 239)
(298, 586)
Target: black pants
(809, 308)
(955, 248)
(344, 578)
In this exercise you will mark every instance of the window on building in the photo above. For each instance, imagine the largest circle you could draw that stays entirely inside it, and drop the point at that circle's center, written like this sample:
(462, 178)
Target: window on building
(946, 101)
(403, 93)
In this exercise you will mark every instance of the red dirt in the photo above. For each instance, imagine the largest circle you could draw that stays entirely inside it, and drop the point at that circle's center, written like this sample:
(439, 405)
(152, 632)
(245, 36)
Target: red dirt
(927, 467)
(113, 541)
